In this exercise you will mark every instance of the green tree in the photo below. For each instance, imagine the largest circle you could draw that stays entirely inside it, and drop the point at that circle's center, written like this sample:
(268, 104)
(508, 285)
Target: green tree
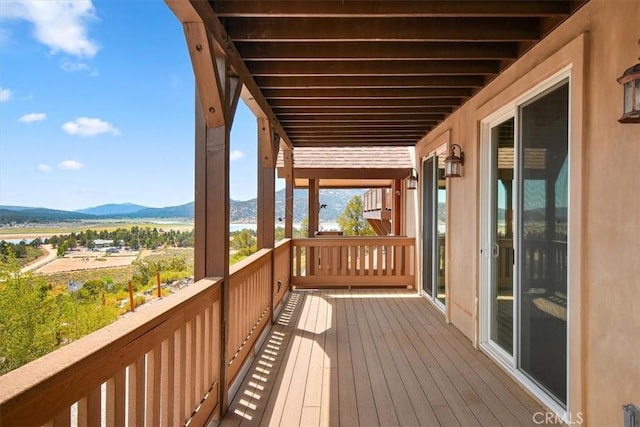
(30, 324)
(304, 227)
(244, 241)
(62, 249)
(352, 221)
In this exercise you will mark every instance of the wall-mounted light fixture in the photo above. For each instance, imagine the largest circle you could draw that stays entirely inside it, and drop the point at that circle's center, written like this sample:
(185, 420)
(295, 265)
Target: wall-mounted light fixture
(630, 81)
(453, 164)
(412, 180)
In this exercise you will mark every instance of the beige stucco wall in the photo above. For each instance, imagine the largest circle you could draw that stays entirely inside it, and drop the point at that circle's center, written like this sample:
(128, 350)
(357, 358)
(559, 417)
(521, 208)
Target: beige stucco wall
(599, 42)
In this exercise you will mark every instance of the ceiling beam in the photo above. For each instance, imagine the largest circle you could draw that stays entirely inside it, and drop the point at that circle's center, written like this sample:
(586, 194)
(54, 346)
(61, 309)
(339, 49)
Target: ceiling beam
(289, 118)
(340, 8)
(376, 93)
(372, 68)
(340, 82)
(405, 29)
(368, 102)
(371, 110)
(360, 115)
(354, 137)
(323, 51)
(321, 126)
(362, 130)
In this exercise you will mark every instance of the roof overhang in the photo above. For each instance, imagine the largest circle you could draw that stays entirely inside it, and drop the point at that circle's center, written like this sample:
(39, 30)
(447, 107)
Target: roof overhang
(355, 73)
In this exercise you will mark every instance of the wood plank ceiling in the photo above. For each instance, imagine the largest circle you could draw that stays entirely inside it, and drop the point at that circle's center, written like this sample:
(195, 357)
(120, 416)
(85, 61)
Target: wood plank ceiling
(353, 73)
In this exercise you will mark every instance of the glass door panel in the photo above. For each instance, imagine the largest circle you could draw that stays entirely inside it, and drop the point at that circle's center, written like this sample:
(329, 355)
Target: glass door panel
(434, 232)
(501, 235)
(440, 230)
(542, 205)
(427, 225)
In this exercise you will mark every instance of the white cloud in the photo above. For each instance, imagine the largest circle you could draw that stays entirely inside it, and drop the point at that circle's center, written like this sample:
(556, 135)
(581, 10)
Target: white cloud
(5, 94)
(70, 165)
(32, 117)
(87, 126)
(61, 25)
(236, 155)
(43, 168)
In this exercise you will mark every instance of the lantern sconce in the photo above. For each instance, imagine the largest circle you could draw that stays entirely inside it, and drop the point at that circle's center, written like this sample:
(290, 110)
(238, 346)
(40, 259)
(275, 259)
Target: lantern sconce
(630, 81)
(412, 180)
(453, 164)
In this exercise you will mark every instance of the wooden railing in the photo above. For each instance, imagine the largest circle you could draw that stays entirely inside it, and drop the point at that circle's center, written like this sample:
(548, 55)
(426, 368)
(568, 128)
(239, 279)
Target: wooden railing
(159, 366)
(353, 261)
(377, 199)
(249, 306)
(281, 270)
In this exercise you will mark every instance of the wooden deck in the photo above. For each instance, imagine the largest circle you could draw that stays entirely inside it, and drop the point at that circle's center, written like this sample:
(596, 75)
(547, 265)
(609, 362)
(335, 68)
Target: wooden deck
(373, 358)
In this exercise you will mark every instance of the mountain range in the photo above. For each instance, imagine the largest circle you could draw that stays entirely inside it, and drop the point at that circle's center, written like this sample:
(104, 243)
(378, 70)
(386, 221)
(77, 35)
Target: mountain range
(241, 211)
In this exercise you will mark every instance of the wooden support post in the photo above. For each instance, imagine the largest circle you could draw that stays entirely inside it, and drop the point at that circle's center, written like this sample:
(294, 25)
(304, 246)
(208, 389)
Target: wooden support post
(396, 209)
(314, 207)
(288, 194)
(132, 306)
(267, 154)
(212, 196)
(158, 283)
(314, 213)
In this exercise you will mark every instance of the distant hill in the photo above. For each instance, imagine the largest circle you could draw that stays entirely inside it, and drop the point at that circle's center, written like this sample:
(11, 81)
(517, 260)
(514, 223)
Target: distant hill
(113, 209)
(30, 215)
(241, 211)
(181, 211)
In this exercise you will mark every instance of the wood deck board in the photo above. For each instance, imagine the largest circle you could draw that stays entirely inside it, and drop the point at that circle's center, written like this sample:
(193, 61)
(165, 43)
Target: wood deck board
(348, 403)
(374, 357)
(472, 363)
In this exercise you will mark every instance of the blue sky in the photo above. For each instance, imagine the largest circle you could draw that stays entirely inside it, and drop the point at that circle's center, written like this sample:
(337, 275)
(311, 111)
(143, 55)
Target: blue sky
(97, 106)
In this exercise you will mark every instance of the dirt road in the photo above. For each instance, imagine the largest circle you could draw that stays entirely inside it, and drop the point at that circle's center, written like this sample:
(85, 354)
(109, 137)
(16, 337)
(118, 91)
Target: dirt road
(51, 255)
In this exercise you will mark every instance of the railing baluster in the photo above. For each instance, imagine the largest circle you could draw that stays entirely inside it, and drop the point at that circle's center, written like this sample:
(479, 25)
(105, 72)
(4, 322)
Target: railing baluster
(89, 413)
(153, 385)
(63, 419)
(167, 384)
(116, 400)
(181, 390)
(191, 357)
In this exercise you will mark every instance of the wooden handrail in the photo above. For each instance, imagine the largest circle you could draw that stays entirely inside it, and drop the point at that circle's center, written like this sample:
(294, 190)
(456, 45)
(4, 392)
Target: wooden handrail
(158, 342)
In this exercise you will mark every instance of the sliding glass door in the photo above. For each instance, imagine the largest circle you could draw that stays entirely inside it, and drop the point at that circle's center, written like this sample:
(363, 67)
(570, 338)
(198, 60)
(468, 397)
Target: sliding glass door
(434, 232)
(543, 203)
(525, 224)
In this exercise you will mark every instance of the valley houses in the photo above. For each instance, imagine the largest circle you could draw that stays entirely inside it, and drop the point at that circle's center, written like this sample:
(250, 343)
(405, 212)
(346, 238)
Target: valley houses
(503, 290)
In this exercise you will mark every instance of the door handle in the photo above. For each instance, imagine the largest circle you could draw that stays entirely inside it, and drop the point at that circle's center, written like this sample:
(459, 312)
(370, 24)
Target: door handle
(495, 250)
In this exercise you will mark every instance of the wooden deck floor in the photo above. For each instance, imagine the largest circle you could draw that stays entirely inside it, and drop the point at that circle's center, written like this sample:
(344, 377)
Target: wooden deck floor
(373, 358)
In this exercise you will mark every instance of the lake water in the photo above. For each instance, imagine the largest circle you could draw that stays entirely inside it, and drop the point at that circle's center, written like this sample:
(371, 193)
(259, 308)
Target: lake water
(16, 241)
